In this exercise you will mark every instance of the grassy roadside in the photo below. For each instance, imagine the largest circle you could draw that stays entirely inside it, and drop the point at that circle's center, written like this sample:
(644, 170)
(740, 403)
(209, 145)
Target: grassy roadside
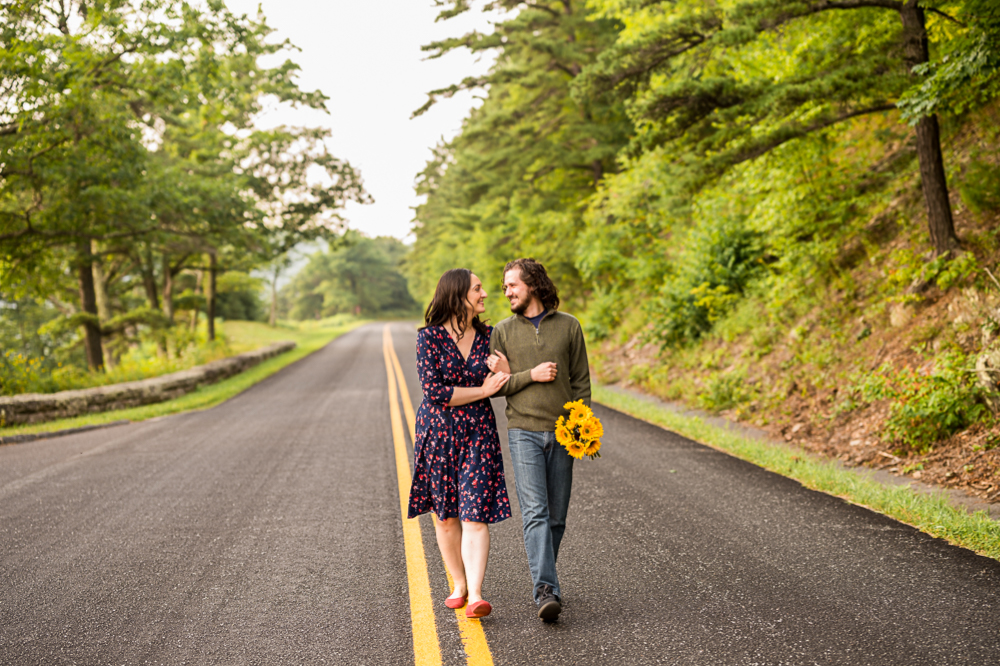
(243, 336)
(932, 514)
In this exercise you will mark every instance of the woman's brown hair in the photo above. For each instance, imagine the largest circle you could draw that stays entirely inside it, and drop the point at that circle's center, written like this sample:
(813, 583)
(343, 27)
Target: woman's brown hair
(451, 300)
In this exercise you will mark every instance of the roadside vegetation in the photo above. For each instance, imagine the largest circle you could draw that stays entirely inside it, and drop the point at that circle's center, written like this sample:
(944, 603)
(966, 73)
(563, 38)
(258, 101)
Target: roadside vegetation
(141, 207)
(355, 278)
(784, 212)
(240, 336)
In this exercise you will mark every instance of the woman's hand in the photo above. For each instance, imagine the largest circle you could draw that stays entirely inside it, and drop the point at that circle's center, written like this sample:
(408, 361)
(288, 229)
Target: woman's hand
(463, 395)
(497, 362)
(494, 382)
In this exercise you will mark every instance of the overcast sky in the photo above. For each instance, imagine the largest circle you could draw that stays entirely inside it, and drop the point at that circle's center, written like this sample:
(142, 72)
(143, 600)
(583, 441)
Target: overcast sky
(365, 56)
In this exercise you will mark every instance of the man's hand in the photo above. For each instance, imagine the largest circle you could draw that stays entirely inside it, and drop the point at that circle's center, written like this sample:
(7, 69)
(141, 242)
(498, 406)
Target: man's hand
(497, 362)
(544, 372)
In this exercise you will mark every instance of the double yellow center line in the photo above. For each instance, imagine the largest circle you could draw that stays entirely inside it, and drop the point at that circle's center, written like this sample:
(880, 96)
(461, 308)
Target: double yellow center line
(426, 646)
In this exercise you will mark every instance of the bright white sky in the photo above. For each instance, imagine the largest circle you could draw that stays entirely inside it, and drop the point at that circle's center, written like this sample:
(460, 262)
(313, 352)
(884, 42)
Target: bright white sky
(365, 56)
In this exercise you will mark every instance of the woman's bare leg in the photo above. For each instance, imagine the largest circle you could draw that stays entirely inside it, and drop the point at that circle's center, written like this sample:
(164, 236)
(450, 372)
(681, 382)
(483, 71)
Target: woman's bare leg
(475, 553)
(449, 538)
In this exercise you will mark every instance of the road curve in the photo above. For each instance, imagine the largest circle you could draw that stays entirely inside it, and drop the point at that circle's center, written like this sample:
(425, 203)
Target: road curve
(267, 531)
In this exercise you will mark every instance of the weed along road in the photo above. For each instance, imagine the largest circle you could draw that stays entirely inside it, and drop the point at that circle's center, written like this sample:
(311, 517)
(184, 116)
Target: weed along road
(268, 530)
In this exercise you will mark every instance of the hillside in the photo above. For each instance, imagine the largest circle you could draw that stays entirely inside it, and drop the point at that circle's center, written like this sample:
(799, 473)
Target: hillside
(875, 367)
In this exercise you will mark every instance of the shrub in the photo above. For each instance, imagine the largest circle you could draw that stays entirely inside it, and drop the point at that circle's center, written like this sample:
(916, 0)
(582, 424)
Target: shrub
(239, 298)
(926, 407)
(725, 391)
(945, 271)
(713, 271)
(22, 374)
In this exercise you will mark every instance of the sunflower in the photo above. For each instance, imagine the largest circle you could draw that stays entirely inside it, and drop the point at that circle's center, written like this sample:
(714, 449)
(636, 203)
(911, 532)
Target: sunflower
(580, 432)
(577, 415)
(576, 449)
(578, 409)
(563, 435)
(591, 429)
(593, 448)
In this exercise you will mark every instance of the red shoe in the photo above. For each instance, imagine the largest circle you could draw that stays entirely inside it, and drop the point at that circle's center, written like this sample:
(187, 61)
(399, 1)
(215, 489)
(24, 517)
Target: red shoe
(456, 602)
(479, 609)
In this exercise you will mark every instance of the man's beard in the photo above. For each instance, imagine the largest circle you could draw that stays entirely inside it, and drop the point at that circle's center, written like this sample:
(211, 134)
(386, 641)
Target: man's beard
(519, 308)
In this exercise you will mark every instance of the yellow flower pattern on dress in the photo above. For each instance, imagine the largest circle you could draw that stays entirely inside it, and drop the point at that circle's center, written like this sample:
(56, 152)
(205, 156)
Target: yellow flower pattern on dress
(580, 433)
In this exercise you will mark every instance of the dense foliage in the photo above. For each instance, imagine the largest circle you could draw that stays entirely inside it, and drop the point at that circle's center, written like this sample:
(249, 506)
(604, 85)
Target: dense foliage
(134, 186)
(359, 276)
(780, 184)
(736, 147)
(518, 175)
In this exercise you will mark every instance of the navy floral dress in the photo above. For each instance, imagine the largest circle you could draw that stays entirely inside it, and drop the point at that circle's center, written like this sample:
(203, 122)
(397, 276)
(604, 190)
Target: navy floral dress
(458, 466)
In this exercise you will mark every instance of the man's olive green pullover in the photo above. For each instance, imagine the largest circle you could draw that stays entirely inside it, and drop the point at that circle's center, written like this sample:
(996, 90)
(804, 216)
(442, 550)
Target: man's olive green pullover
(531, 405)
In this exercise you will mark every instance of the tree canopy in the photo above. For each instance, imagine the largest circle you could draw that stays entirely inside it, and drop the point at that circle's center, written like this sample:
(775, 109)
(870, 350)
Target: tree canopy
(359, 275)
(528, 155)
(131, 155)
(739, 143)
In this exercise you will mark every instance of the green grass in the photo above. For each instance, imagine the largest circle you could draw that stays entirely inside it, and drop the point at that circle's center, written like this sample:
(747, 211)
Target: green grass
(243, 336)
(932, 514)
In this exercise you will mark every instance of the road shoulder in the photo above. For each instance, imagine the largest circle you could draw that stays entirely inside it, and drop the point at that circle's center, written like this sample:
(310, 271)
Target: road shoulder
(960, 520)
(203, 398)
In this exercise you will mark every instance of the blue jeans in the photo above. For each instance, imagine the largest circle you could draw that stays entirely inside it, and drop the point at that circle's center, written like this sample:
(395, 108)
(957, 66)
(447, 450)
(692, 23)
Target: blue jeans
(543, 477)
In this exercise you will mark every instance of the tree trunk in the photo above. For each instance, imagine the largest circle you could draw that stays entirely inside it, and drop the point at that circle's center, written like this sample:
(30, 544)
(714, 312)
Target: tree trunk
(939, 218)
(149, 279)
(598, 170)
(100, 285)
(168, 289)
(88, 302)
(101, 294)
(199, 279)
(210, 294)
(149, 282)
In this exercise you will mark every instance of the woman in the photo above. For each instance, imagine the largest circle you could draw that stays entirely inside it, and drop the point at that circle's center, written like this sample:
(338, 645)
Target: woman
(458, 468)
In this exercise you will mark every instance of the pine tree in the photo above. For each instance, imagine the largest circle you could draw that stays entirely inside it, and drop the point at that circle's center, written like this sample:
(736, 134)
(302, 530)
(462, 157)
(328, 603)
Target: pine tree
(725, 83)
(513, 181)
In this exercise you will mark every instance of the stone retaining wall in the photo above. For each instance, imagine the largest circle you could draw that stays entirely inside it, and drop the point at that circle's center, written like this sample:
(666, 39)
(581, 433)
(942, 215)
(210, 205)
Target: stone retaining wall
(38, 407)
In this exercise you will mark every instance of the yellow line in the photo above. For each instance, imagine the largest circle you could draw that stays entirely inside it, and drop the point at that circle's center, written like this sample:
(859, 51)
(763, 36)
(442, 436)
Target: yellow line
(404, 393)
(426, 648)
(477, 650)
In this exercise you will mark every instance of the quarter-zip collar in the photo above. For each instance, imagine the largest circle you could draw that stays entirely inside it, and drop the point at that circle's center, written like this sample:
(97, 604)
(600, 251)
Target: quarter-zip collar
(533, 320)
(538, 329)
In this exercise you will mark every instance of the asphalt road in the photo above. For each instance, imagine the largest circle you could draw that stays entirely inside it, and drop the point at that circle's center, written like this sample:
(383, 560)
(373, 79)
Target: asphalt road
(267, 531)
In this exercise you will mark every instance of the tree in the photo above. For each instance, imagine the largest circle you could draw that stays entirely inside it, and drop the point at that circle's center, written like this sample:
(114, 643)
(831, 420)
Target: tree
(129, 124)
(71, 160)
(721, 84)
(966, 73)
(513, 181)
(359, 276)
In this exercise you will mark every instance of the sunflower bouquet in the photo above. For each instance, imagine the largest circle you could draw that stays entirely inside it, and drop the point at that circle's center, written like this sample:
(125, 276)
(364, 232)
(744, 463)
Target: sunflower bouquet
(580, 433)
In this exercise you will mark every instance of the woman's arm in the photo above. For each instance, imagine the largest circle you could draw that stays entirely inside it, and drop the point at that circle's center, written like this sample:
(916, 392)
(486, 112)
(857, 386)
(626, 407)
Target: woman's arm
(436, 392)
(463, 395)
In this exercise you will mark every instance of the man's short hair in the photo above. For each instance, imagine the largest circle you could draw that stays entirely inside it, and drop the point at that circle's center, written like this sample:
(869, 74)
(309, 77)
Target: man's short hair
(533, 274)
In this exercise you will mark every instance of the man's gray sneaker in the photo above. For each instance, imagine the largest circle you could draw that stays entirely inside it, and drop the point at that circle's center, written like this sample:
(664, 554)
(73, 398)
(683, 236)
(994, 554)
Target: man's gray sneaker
(548, 604)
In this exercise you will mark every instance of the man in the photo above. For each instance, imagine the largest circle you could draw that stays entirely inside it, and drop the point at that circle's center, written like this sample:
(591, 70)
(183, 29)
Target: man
(548, 367)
